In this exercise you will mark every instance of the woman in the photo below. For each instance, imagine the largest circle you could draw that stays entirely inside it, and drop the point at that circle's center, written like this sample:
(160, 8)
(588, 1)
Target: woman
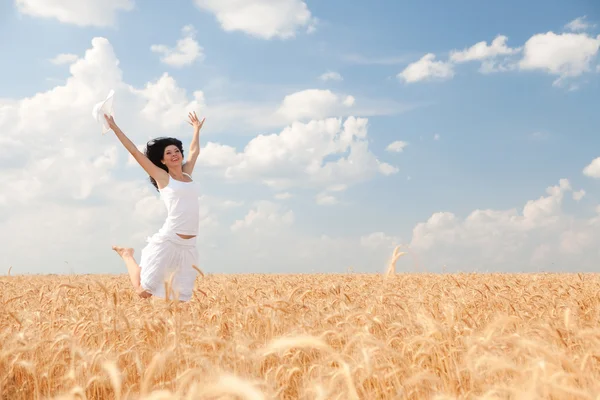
(171, 252)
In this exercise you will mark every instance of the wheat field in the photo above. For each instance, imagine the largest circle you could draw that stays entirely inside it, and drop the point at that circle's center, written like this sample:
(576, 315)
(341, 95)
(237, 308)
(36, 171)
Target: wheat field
(314, 336)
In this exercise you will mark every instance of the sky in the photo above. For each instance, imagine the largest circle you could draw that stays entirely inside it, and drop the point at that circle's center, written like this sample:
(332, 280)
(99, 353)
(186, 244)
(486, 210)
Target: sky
(464, 132)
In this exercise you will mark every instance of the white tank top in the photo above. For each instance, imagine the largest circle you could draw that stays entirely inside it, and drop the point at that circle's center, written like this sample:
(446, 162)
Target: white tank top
(183, 213)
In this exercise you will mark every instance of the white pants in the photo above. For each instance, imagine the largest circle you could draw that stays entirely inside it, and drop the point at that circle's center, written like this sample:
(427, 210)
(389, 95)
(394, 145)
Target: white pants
(164, 255)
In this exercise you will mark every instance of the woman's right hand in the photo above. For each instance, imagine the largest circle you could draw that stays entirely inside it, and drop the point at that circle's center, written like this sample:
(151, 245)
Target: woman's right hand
(111, 122)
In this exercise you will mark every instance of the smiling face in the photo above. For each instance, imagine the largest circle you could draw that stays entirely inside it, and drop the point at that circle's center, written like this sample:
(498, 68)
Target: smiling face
(172, 157)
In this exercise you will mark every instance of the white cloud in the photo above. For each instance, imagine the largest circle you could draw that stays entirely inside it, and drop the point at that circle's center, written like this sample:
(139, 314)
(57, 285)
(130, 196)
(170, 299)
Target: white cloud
(186, 51)
(63, 152)
(313, 103)
(283, 196)
(578, 195)
(331, 76)
(131, 162)
(579, 24)
(540, 235)
(377, 240)
(166, 104)
(265, 19)
(232, 204)
(337, 188)
(265, 218)
(325, 199)
(397, 146)
(64, 58)
(100, 13)
(481, 51)
(427, 69)
(349, 101)
(436, 136)
(297, 156)
(387, 169)
(593, 169)
(14, 152)
(566, 55)
(492, 56)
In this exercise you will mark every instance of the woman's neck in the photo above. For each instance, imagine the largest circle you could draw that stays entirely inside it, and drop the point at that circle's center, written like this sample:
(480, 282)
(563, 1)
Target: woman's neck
(176, 173)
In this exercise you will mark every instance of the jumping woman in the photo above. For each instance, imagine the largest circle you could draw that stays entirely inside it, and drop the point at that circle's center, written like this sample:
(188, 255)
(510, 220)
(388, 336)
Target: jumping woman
(173, 248)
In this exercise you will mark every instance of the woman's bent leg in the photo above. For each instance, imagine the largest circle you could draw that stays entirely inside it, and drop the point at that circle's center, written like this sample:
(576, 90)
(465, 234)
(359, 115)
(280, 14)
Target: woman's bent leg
(133, 269)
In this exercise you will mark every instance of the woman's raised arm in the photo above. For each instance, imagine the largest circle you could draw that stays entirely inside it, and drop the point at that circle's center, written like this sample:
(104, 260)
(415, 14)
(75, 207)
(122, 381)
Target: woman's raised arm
(160, 175)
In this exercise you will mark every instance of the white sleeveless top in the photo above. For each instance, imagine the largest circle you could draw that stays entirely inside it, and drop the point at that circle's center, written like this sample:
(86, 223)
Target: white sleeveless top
(183, 213)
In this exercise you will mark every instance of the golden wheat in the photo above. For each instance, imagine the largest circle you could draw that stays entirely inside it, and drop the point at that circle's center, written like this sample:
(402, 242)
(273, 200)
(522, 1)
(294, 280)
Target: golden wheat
(351, 336)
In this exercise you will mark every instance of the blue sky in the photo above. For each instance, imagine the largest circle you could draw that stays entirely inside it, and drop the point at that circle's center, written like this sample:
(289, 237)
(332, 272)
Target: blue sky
(474, 141)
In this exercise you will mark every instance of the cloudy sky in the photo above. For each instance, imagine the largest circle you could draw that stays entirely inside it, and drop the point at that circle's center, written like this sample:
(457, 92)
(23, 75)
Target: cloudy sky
(467, 133)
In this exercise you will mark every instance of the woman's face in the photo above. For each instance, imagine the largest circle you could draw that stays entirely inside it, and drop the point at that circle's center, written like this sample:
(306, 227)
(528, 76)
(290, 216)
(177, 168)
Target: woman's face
(172, 156)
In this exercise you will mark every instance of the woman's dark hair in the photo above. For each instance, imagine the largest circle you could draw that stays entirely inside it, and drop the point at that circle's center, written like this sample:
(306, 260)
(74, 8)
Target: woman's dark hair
(155, 151)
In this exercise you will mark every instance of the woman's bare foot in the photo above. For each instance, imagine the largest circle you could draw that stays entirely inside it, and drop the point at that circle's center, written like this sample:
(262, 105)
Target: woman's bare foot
(123, 251)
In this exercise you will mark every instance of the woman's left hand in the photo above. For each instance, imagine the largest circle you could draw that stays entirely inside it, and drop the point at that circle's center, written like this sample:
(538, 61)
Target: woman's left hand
(197, 124)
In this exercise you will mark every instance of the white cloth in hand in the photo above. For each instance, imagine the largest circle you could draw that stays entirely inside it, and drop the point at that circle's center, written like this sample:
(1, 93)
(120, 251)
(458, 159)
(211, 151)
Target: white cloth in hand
(104, 107)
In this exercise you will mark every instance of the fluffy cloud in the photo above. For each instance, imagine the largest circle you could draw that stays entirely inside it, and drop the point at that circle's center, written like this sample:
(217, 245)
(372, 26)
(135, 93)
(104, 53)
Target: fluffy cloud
(481, 51)
(397, 146)
(165, 104)
(593, 169)
(64, 59)
(331, 76)
(578, 195)
(283, 196)
(378, 240)
(446, 228)
(265, 19)
(486, 54)
(266, 218)
(298, 156)
(326, 199)
(565, 55)
(186, 51)
(313, 103)
(100, 13)
(427, 69)
(541, 235)
(579, 24)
